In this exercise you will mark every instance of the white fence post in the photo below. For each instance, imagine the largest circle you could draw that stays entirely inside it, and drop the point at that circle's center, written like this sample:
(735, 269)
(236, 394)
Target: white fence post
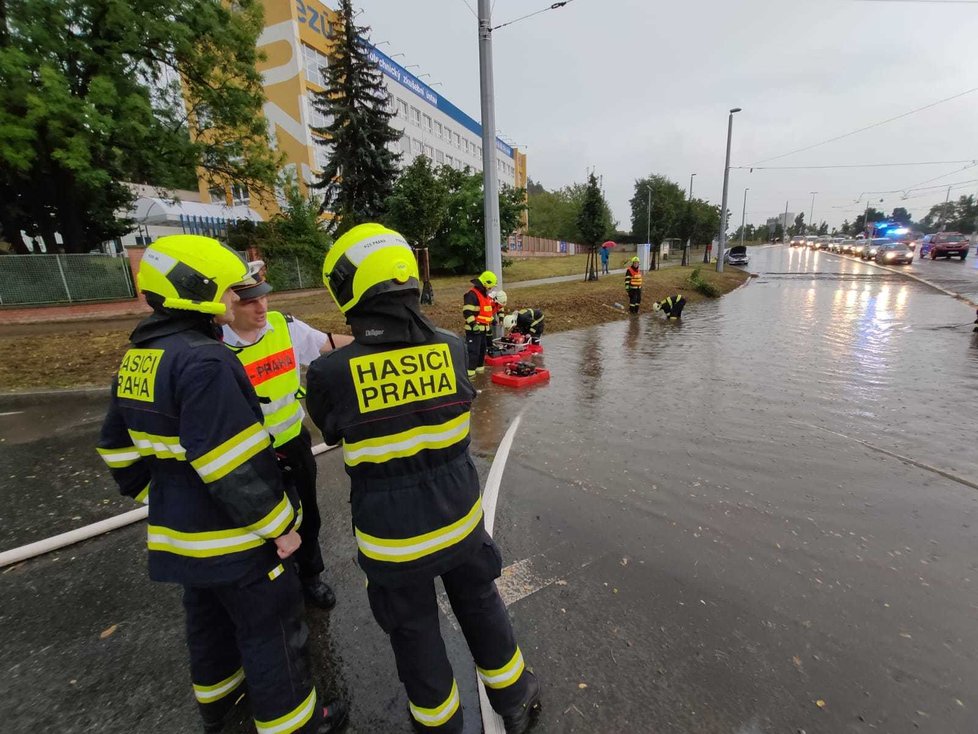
(64, 280)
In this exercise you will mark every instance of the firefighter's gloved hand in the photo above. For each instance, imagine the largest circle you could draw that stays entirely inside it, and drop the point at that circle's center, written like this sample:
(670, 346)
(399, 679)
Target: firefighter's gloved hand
(287, 544)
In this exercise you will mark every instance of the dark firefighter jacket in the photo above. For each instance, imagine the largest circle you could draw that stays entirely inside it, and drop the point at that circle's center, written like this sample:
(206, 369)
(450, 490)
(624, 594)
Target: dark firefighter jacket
(478, 308)
(184, 432)
(401, 412)
(633, 277)
(528, 321)
(673, 305)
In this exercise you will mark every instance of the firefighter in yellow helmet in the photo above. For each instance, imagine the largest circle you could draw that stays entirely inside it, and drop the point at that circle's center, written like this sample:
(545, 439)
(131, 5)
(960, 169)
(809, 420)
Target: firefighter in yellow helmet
(398, 399)
(479, 310)
(184, 432)
(633, 285)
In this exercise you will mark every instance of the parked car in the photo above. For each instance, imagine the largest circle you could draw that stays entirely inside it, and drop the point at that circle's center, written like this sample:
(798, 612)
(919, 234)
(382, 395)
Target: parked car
(736, 255)
(872, 247)
(894, 253)
(946, 244)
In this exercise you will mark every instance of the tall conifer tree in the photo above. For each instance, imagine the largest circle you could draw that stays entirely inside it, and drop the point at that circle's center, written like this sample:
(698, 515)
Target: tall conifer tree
(362, 168)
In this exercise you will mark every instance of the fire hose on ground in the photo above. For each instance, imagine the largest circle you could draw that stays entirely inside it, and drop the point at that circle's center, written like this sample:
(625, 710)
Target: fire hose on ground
(56, 542)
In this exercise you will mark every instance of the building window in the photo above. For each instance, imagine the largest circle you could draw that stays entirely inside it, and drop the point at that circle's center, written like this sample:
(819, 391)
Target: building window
(240, 196)
(321, 156)
(439, 157)
(316, 118)
(417, 147)
(449, 161)
(402, 107)
(315, 64)
(427, 123)
(218, 195)
(438, 129)
(429, 151)
(415, 115)
(458, 140)
(479, 148)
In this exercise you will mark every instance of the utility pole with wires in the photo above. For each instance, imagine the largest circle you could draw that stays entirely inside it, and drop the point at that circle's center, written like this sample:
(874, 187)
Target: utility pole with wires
(493, 235)
(944, 217)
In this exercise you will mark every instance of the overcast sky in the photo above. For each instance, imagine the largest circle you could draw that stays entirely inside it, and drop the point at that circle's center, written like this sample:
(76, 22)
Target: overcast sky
(633, 87)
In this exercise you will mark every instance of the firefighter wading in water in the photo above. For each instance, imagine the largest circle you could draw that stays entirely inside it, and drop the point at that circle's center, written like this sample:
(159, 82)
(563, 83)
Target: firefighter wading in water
(398, 398)
(184, 432)
(479, 310)
(633, 285)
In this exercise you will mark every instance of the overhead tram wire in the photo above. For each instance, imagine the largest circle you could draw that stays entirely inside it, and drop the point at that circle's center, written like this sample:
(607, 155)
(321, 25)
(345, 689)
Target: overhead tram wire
(554, 6)
(972, 161)
(868, 127)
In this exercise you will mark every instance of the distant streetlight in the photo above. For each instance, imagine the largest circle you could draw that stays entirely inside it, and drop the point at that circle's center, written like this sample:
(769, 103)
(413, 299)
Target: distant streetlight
(689, 234)
(811, 214)
(743, 218)
(726, 185)
(394, 56)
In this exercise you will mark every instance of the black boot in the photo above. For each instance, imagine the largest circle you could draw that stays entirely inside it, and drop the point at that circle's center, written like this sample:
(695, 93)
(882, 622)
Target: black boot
(334, 717)
(523, 719)
(216, 717)
(318, 593)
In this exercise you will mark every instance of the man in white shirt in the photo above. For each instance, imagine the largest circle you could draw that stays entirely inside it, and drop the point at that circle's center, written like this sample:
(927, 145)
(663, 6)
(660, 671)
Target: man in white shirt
(272, 347)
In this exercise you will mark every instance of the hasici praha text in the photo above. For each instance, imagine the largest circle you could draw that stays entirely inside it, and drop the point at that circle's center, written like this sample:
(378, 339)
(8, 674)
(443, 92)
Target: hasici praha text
(137, 374)
(403, 376)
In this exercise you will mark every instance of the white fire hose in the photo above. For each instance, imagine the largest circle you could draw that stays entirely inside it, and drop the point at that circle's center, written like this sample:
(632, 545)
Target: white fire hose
(40, 547)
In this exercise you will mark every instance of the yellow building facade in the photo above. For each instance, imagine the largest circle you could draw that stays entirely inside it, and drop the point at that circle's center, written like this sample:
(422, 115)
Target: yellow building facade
(297, 42)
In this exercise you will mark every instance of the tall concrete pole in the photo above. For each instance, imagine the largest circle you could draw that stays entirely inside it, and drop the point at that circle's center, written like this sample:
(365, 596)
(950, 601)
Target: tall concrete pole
(784, 227)
(743, 218)
(811, 215)
(493, 236)
(726, 184)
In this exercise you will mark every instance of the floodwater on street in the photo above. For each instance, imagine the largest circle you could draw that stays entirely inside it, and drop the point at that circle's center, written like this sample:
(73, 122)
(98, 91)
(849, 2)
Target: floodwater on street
(704, 523)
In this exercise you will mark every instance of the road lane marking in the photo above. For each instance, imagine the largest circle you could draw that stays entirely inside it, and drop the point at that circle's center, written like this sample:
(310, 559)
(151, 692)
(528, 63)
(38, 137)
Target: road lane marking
(11, 412)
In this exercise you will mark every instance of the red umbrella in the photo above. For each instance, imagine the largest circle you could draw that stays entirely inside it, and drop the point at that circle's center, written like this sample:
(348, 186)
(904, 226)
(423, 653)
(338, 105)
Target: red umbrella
(609, 244)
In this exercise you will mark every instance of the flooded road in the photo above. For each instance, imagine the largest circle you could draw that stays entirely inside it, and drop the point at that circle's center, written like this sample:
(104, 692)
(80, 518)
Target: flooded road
(705, 527)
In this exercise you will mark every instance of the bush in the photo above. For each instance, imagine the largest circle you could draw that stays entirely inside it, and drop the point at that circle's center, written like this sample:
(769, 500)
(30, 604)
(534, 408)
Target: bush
(703, 286)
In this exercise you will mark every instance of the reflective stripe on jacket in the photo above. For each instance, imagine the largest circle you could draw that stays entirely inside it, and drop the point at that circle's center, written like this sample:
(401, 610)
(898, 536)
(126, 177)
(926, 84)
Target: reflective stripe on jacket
(184, 430)
(633, 277)
(478, 309)
(402, 415)
(273, 370)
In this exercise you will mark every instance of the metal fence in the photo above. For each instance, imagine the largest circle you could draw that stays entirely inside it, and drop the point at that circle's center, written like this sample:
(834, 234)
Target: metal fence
(30, 279)
(291, 273)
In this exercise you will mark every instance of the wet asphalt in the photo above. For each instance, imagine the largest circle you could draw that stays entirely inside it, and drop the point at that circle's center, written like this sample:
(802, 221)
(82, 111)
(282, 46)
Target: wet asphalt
(705, 525)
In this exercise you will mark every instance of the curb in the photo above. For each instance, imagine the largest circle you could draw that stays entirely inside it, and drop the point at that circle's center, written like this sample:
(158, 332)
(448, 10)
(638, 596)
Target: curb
(28, 397)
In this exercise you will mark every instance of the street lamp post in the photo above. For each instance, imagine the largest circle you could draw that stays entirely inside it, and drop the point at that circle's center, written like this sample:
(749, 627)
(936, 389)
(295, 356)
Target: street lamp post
(811, 215)
(784, 227)
(689, 234)
(491, 227)
(726, 185)
(743, 217)
(648, 228)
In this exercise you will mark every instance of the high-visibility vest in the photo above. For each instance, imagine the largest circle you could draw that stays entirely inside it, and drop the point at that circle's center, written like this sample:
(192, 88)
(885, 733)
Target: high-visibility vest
(273, 370)
(633, 278)
(487, 308)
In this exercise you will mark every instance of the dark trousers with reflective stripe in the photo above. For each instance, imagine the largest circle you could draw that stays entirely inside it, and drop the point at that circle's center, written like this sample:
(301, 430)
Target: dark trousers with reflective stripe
(298, 456)
(634, 299)
(259, 627)
(476, 343)
(409, 615)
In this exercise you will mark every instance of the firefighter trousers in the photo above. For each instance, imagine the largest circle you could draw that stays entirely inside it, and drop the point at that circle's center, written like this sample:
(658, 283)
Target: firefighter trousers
(253, 637)
(634, 299)
(409, 615)
(476, 343)
(298, 457)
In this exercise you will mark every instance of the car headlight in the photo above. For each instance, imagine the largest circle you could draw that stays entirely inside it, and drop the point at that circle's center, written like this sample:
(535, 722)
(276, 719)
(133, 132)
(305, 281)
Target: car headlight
(890, 255)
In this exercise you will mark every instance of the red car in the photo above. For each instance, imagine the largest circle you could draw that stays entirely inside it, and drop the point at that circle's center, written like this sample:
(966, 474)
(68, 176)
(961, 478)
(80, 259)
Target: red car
(946, 244)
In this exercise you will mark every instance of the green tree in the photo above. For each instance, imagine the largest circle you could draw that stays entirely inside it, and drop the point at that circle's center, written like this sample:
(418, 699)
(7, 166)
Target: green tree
(360, 174)
(846, 229)
(293, 243)
(859, 226)
(798, 228)
(823, 228)
(94, 93)
(593, 221)
(459, 245)
(419, 203)
(901, 215)
(668, 210)
(955, 216)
